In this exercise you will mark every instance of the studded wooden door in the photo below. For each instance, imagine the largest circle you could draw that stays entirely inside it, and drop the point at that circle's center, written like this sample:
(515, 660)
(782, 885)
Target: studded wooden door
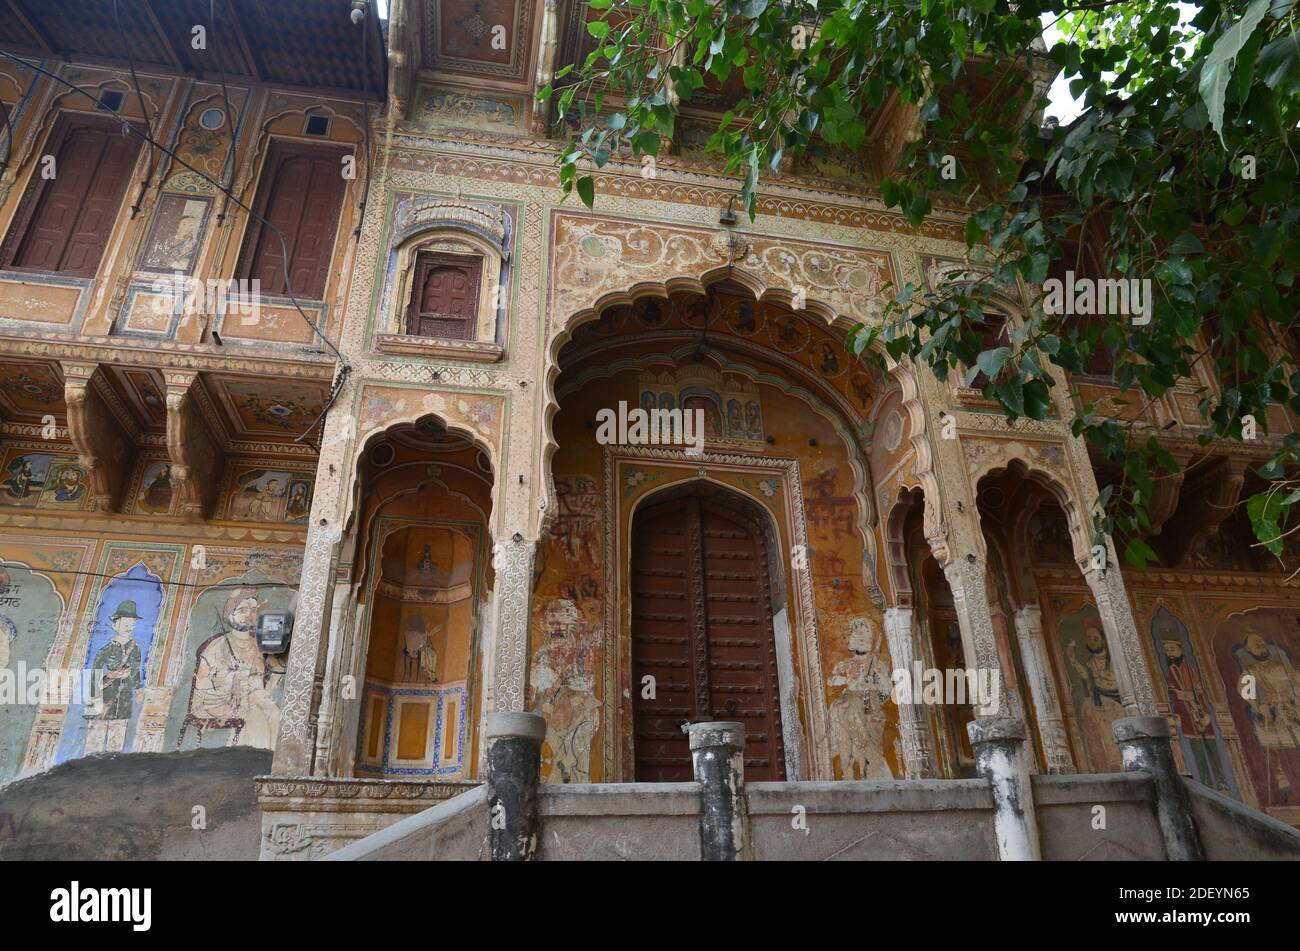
(444, 297)
(702, 628)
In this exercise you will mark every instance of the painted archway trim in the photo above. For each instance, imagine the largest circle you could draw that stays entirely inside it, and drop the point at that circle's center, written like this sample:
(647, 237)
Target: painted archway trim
(793, 535)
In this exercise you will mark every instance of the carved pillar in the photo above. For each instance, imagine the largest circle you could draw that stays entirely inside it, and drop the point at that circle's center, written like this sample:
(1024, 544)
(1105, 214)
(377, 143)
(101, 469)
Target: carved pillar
(1131, 674)
(296, 741)
(1038, 671)
(339, 683)
(513, 561)
(103, 447)
(966, 576)
(913, 723)
(549, 34)
(195, 455)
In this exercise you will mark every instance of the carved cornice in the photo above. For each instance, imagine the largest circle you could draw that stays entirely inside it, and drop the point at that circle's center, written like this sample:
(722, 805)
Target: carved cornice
(303, 794)
(154, 526)
(164, 355)
(1145, 578)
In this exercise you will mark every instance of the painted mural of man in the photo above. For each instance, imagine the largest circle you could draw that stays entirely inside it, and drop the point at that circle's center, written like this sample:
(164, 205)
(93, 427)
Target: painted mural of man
(857, 716)
(116, 670)
(1273, 703)
(1191, 704)
(234, 680)
(21, 475)
(1101, 705)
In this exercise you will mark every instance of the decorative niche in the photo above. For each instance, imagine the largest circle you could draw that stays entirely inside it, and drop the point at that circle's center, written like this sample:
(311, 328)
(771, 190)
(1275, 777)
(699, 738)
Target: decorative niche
(446, 286)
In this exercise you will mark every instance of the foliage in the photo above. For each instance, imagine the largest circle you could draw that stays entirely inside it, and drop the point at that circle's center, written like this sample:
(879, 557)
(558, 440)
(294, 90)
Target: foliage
(1180, 169)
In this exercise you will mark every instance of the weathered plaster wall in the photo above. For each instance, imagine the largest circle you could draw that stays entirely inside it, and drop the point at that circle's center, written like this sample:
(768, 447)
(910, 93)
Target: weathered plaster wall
(198, 804)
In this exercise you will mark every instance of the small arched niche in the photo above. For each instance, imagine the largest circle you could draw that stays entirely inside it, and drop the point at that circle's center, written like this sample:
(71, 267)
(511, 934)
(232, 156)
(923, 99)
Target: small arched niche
(445, 290)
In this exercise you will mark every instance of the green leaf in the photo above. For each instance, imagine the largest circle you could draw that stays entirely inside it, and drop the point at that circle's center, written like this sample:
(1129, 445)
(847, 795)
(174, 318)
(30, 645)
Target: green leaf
(587, 190)
(1216, 71)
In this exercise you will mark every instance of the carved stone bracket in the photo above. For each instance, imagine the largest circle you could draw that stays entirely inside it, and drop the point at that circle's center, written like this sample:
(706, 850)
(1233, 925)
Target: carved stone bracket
(194, 451)
(104, 449)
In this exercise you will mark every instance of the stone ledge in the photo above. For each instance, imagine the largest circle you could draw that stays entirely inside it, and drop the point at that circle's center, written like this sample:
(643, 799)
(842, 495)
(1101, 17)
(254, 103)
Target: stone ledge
(409, 345)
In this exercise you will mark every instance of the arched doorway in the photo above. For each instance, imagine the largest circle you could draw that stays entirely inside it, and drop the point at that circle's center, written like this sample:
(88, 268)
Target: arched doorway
(420, 576)
(703, 643)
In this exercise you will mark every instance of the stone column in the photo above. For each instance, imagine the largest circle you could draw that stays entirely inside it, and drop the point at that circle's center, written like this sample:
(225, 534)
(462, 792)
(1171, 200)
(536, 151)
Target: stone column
(1145, 745)
(1131, 674)
(1047, 706)
(913, 722)
(295, 743)
(513, 561)
(1000, 758)
(514, 761)
(718, 757)
(966, 576)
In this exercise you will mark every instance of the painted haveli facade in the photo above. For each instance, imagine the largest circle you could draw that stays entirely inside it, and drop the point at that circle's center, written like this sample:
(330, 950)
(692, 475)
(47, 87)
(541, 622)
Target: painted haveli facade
(456, 540)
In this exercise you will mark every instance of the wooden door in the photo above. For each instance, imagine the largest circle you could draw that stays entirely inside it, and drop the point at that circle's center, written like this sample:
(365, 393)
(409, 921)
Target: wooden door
(444, 297)
(702, 628)
(71, 215)
(301, 194)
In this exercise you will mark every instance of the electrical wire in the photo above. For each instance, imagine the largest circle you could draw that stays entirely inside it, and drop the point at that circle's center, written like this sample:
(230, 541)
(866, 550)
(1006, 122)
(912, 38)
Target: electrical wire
(344, 367)
(225, 98)
(144, 108)
(9, 139)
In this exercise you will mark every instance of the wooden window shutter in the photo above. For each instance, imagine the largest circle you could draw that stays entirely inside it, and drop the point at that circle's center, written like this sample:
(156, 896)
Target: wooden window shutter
(301, 194)
(64, 222)
(444, 296)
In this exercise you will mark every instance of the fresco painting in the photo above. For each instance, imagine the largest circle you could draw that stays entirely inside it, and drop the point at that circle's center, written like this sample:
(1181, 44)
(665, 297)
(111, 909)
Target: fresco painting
(1190, 702)
(1258, 657)
(1093, 690)
(228, 692)
(124, 628)
(31, 613)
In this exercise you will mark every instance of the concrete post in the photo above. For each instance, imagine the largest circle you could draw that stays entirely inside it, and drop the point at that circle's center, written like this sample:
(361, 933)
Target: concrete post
(718, 756)
(514, 761)
(999, 745)
(1144, 744)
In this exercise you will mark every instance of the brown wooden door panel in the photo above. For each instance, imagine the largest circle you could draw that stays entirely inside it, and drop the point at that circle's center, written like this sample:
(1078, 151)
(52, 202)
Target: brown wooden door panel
(72, 215)
(301, 195)
(702, 627)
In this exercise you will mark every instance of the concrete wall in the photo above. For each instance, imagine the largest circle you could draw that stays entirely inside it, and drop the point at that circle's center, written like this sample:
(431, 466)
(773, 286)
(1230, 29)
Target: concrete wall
(1106, 817)
(914, 820)
(1230, 830)
(136, 806)
(455, 830)
(620, 822)
(927, 820)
